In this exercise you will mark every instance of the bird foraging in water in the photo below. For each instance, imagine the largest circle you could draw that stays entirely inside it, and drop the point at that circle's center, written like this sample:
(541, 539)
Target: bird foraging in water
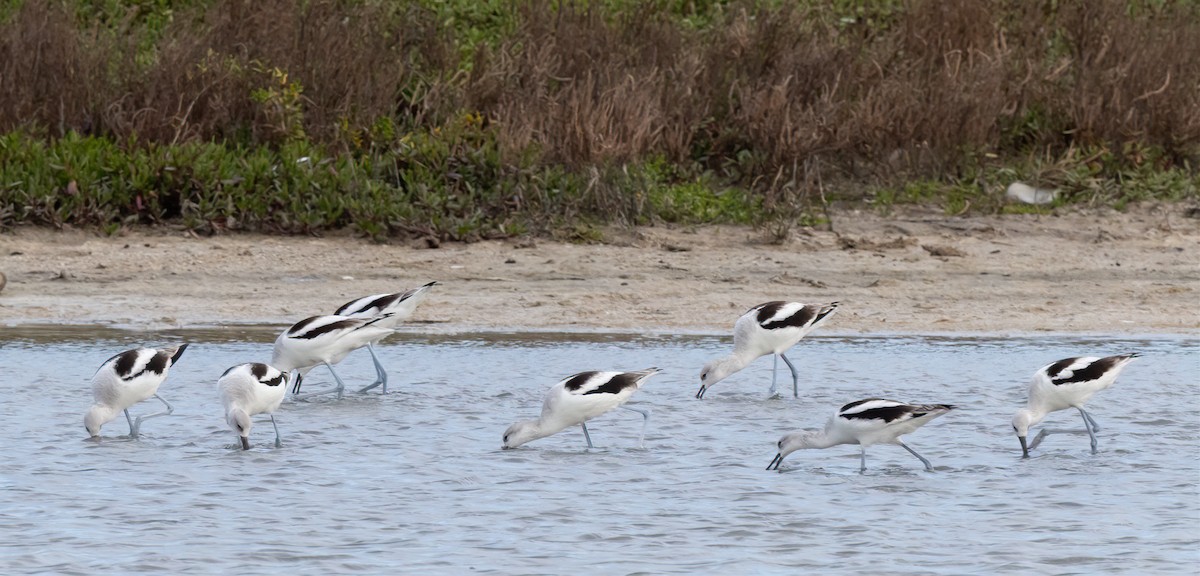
(125, 380)
(399, 306)
(250, 389)
(577, 399)
(323, 340)
(865, 422)
(769, 328)
(1068, 383)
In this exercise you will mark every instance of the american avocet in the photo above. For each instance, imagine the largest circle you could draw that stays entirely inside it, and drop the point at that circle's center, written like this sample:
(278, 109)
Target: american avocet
(125, 380)
(323, 340)
(578, 399)
(865, 422)
(400, 306)
(769, 328)
(249, 389)
(1065, 384)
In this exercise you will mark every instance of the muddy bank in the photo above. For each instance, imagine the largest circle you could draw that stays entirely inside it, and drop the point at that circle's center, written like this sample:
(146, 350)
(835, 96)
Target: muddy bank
(1090, 271)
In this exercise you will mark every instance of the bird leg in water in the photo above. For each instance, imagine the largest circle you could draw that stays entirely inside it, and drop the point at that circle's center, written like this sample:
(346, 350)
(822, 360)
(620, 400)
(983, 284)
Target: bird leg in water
(862, 459)
(1087, 423)
(645, 419)
(137, 423)
(585, 434)
(277, 441)
(380, 373)
(338, 389)
(1088, 416)
(774, 370)
(1048, 431)
(795, 376)
(928, 466)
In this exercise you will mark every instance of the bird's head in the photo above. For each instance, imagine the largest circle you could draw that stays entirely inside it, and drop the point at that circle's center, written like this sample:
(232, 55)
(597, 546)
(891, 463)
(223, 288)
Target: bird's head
(520, 433)
(1021, 422)
(791, 443)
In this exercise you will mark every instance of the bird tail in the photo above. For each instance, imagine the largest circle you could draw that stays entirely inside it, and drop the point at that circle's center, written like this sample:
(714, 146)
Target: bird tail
(932, 410)
(376, 319)
(824, 311)
(644, 374)
(176, 353)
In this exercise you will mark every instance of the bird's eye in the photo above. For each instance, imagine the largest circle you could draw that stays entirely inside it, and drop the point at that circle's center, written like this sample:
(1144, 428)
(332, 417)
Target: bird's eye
(780, 444)
(704, 376)
(506, 437)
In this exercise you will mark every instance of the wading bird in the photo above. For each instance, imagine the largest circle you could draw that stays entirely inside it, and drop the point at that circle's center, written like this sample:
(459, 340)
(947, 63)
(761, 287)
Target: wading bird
(865, 422)
(399, 306)
(323, 340)
(578, 399)
(1068, 383)
(125, 380)
(250, 389)
(770, 328)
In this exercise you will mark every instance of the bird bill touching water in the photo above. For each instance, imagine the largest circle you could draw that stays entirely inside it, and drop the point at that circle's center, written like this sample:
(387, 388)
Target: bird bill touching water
(126, 379)
(1067, 383)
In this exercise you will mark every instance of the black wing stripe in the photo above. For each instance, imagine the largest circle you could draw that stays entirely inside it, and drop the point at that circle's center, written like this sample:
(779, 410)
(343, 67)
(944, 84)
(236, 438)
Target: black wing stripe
(125, 363)
(885, 413)
(616, 384)
(577, 381)
(801, 318)
(301, 325)
(331, 327)
(1087, 373)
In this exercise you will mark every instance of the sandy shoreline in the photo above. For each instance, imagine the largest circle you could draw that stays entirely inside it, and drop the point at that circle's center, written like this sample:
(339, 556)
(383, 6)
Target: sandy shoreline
(1086, 272)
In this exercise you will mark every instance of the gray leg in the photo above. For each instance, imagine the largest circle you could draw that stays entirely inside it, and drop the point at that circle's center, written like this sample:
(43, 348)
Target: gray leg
(335, 389)
(277, 442)
(795, 376)
(1048, 431)
(585, 433)
(862, 459)
(645, 419)
(1091, 433)
(130, 421)
(1095, 426)
(1038, 439)
(380, 373)
(928, 466)
(137, 423)
(774, 364)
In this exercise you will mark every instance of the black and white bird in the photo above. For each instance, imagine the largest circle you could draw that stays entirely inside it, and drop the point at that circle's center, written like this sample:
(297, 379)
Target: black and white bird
(125, 380)
(770, 328)
(1068, 383)
(865, 422)
(399, 306)
(323, 340)
(576, 400)
(250, 389)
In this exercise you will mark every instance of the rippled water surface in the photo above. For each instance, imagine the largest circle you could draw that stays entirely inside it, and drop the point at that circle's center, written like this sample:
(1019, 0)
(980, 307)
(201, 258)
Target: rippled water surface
(415, 482)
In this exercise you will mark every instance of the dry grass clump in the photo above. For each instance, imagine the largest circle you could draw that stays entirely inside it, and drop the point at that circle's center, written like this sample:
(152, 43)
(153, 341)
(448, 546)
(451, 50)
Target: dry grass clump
(775, 99)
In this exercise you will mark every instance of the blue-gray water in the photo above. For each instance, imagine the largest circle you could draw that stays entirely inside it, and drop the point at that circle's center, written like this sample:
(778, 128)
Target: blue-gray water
(415, 482)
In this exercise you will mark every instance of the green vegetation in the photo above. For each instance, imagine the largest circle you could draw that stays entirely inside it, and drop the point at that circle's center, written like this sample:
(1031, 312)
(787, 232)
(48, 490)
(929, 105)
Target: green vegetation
(462, 119)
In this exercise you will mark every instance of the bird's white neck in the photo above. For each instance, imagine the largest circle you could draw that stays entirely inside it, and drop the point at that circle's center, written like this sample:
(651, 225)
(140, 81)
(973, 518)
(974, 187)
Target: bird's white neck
(734, 362)
(823, 439)
(530, 430)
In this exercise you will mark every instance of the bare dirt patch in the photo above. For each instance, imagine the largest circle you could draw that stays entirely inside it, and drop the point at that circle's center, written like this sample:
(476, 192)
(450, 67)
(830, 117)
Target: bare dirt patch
(1089, 271)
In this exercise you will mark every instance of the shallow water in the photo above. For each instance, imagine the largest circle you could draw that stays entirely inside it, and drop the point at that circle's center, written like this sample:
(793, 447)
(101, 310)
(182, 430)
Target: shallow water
(415, 482)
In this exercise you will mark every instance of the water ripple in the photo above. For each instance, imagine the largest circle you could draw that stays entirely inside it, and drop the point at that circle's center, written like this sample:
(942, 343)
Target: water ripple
(415, 482)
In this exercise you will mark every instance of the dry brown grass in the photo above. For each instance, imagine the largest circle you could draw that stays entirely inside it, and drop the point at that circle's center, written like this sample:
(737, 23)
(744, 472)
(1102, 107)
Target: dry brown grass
(773, 99)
